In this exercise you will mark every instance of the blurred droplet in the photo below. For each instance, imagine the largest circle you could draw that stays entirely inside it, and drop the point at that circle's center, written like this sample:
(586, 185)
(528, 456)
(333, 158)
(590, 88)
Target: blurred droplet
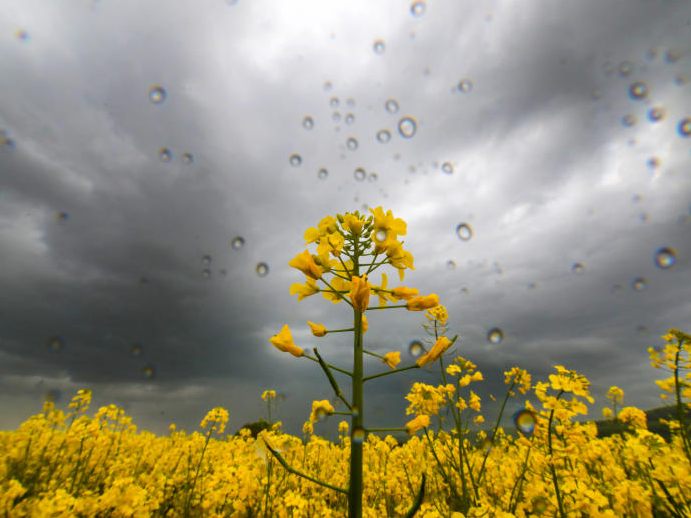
(525, 420)
(416, 348)
(336, 117)
(349, 118)
(206, 273)
(418, 8)
(321, 414)
(450, 265)
(22, 35)
(56, 343)
(373, 177)
(665, 257)
(653, 162)
(639, 284)
(465, 86)
(359, 174)
(295, 160)
(407, 127)
(638, 90)
(358, 435)
(625, 68)
(187, 158)
(578, 268)
(322, 173)
(223, 272)
(136, 350)
(165, 154)
(656, 113)
(379, 47)
(237, 243)
(383, 136)
(447, 167)
(62, 216)
(262, 269)
(206, 260)
(308, 122)
(352, 143)
(628, 120)
(681, 79)
(464, 231)
(495, 335)
(380, 235)
(149, 371)
(328, 86)
(157, 94)
(672, 55)
(684, 127)
(334, 102)
(391, 105)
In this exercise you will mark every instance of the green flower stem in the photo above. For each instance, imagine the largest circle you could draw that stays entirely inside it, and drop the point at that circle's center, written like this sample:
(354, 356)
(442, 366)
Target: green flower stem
(356, 450)
(685, 441)
(332, 367)
(341, 413)
(553, 470)
(292, 470)
(340, 330)
(386, 430)
(395, 371)
(387, 307)
(373, 354)
(418, 499)
(332, 381)
(336, 291)
(494, 431)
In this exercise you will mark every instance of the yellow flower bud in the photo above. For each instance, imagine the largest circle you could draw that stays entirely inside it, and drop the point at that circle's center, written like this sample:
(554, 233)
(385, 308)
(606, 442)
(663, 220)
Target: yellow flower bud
(439, 348)
(422, 303)
(317, 329)
(283, 341)
(359, 293)
(420, 422)
(392, 359)
(305, 263)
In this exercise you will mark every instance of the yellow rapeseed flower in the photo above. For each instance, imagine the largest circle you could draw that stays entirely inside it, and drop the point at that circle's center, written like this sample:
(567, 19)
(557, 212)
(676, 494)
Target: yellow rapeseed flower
(414, 425)
(317, 329)
(283, 341)
(305, 263)
(217, 418)
(359, 293)
(268, 394)
(304, 290)
(404, 293)
(321, 409)
(439, 348)
(422, 303)
(392, 359)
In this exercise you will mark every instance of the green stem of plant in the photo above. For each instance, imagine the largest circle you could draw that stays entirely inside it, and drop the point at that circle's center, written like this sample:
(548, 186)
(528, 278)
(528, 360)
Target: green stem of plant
(332, 381)
(387, 373)
(347, 330)
(680, 404)
(356, 447)
(373, 354)
(332, 367)
(494, 431)
(552, 468)
(371, 308)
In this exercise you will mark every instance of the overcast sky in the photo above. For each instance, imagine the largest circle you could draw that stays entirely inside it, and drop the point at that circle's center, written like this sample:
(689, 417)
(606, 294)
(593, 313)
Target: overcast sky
(554, 131)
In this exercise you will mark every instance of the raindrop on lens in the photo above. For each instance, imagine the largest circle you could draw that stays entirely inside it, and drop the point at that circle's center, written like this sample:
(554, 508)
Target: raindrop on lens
(638, 284)
(359, 174)
(157, 94)
(665, 258)
(625, 68)
(22, 35)
(62, 216)
(684, 127)
(206, 273)
(165, 155)
(349, 118)
(407, 127)
(334, 102)
(465, 86)
(524, 420)
(653, 162)
(262, 269)
(418, 8)
(149, 371)
(391, 105)
(56, 343)
(352, 143)
(628, 120)
(383, 136)
(416, 348)
(136, 350)
(206, 260)
(321, 414)
(358, 435)
(657, 113)
(672, 55)
(450, 265)
(308, 122)
(380, 235)
(464, 231)
(539, 504)
(187, 158)
(328, 86)
(295, 160)
(379, 47)
(638, 91)
(322, 174)
(578, 268)
(372, 177)
(447, 168)
(237, 243)
(495, 335)
(336, 117)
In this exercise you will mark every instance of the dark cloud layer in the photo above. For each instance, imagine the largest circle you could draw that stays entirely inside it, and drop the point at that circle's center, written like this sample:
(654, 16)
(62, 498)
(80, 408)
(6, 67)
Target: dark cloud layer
(127, 259)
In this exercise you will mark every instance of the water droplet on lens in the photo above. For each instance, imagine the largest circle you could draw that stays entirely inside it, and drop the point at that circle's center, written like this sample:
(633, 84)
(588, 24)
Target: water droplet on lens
(237, 243)
(672, 56)
(465, 86)
(383, 136)
(416, 348)
(22, 35)
(321, 414)
(407, 127)
(450, 265)
(136, 350)
(336, 117)
(308, 122)
(334, 102)
(638, 284)
(328, 86)
(149, 371)
(578, 268)
(665, 257)
(495, 335)
(206, 260)
(379, 47)
(525, 420)
(628, 120)
(464, 231)
(56, 343)
(391, 105)
(262, 269)
(358, 435)
(349, 118)
(295, 160)
(380, 235)
(165, 154)
(418, 8)
(187, 158)
(206, 273)
(447, 167)
(540, 504)
(359, 174)
(322, 174)
(684, 127)
(638, 91)
(656, 113)
(625, 68)
(62, 216)
(352, 143)
(372, 177)
(157, 94)
(653, 162)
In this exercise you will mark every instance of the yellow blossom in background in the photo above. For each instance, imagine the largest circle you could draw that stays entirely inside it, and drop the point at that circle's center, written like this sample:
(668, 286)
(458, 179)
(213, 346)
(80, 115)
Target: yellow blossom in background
(607, 412)
(634, 417)
(340, 285)
(305, 263)
(392, 359)
(414, 425)
(439, 348)
(438, 313)
(453, 370)
(615, 394)
(404, 293)
(343, 427)
(216, 418)
(359, 293)
(478, 419)
(422, 303)
(474, 401)
(317, 329)
(268, 394)
(520, 377)
(283, 341)
(321, 409)
(428, 399)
